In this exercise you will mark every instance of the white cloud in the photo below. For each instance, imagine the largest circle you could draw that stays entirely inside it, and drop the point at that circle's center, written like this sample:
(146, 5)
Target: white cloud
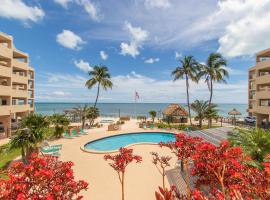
(103, 55)
(178, 55)
(63, 3)
(152, 60)
(17, 9)
(90, 8)
(157, 3)
(69, 40)
(82, 65)
(248, 31)
(129, 49)
(61, 93)
(235, 72)
(138, 37)
(240, 26)
(150, 90)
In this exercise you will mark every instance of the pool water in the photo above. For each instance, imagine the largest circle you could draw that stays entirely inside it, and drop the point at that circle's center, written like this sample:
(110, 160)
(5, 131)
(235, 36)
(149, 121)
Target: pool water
(115, 142)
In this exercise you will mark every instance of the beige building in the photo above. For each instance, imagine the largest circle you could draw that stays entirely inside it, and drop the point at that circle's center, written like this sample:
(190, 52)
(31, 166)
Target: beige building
(16, 85)
(259, 88)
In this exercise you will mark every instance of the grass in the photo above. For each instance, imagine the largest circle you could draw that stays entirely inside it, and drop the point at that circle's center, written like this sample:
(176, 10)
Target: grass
(7, 155)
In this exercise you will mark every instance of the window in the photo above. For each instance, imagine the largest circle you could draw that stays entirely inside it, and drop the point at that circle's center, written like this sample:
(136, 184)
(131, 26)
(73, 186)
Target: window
(265, 102)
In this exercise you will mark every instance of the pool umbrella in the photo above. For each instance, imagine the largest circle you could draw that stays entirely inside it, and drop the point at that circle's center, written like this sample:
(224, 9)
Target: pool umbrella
(234, 112)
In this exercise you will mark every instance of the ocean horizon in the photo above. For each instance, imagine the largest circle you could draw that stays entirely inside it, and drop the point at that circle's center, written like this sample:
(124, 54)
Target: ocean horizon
(131, 109)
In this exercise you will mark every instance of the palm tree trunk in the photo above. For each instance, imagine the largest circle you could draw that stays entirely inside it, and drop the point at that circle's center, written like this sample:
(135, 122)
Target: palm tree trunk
(92, 120)
(200, 122)
(211, 91)
(97, 95)
(23, 155)
(187, 86)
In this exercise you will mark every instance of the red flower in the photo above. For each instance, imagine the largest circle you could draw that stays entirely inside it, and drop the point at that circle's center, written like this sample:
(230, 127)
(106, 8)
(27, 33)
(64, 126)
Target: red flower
(43, 178)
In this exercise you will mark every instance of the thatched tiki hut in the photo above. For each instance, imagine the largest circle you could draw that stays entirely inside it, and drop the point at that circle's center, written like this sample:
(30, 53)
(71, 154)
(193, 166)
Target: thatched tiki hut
(175, 113)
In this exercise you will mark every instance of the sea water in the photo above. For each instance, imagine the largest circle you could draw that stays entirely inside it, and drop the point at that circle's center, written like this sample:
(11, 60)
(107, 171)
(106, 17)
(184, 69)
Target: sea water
(131, 109)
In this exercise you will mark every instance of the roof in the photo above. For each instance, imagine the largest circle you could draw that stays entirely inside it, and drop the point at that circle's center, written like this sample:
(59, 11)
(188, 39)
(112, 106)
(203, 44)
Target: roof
(175, 110)
(234, 112)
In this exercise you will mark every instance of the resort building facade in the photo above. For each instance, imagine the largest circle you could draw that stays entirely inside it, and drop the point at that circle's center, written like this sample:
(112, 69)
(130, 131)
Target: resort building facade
(259, 88)
(16, 86)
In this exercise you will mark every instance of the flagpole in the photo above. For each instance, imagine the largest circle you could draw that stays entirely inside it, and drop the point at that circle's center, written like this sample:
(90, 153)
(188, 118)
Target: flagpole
(135, 106)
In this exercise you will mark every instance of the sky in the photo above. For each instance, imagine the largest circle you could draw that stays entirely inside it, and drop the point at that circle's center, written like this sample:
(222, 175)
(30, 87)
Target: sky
(140, 41)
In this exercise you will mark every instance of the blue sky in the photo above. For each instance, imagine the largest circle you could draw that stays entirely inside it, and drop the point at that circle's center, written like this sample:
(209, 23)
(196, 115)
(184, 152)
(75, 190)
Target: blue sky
(140, 41)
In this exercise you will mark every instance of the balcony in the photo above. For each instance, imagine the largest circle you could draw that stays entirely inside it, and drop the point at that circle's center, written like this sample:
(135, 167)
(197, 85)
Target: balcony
(5, 90)
(20, 108)
(263, 109)
(19, 93)
(20, 64)
(263, 79)
(5, 71)
(17, 78)
(4, 110)
(5, 51)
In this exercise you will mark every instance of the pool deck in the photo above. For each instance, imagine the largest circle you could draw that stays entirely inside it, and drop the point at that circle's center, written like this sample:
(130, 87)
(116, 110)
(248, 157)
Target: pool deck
(142, 180)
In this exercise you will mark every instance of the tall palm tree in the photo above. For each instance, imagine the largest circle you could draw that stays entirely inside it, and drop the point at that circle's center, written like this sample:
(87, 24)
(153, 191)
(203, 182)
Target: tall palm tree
(214, 71)
(99, 75)
(188, 71)
(200, 107)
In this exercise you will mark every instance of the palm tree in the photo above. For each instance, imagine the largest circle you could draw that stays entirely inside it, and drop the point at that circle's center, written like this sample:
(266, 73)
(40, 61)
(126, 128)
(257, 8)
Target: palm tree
(188, 70)
(22, 139)
(82, 112)
(59, 122)
(211, 113)
(99, 75)
(214, 71)
(37, 124)
(254, 142)
(201, 108)
(153, 115)
(32, 131)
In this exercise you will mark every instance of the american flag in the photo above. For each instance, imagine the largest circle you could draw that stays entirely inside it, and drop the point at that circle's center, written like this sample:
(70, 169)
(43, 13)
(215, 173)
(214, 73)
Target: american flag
(137, 95)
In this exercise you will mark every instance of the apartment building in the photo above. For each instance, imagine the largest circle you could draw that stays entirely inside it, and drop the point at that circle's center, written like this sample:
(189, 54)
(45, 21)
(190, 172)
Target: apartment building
(259, 88)
(16, 86)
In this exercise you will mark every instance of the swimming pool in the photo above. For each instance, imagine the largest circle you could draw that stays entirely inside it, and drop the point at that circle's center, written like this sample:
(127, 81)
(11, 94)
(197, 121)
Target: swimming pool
(113, 143)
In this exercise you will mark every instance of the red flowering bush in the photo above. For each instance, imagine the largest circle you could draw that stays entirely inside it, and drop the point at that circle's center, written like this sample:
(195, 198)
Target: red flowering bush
(184, 148)
(120, 162)
(223, 171)
(218, 167)
(42, 178)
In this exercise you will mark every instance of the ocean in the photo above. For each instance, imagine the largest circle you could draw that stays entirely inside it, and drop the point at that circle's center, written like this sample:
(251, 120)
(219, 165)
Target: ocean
(113, 109)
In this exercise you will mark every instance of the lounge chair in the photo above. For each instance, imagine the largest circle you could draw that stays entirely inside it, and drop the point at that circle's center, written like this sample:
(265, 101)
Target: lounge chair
(83, 132)
(66, 135)
(74, 133)
(152, 125)
(144, 126)
(48, 150)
